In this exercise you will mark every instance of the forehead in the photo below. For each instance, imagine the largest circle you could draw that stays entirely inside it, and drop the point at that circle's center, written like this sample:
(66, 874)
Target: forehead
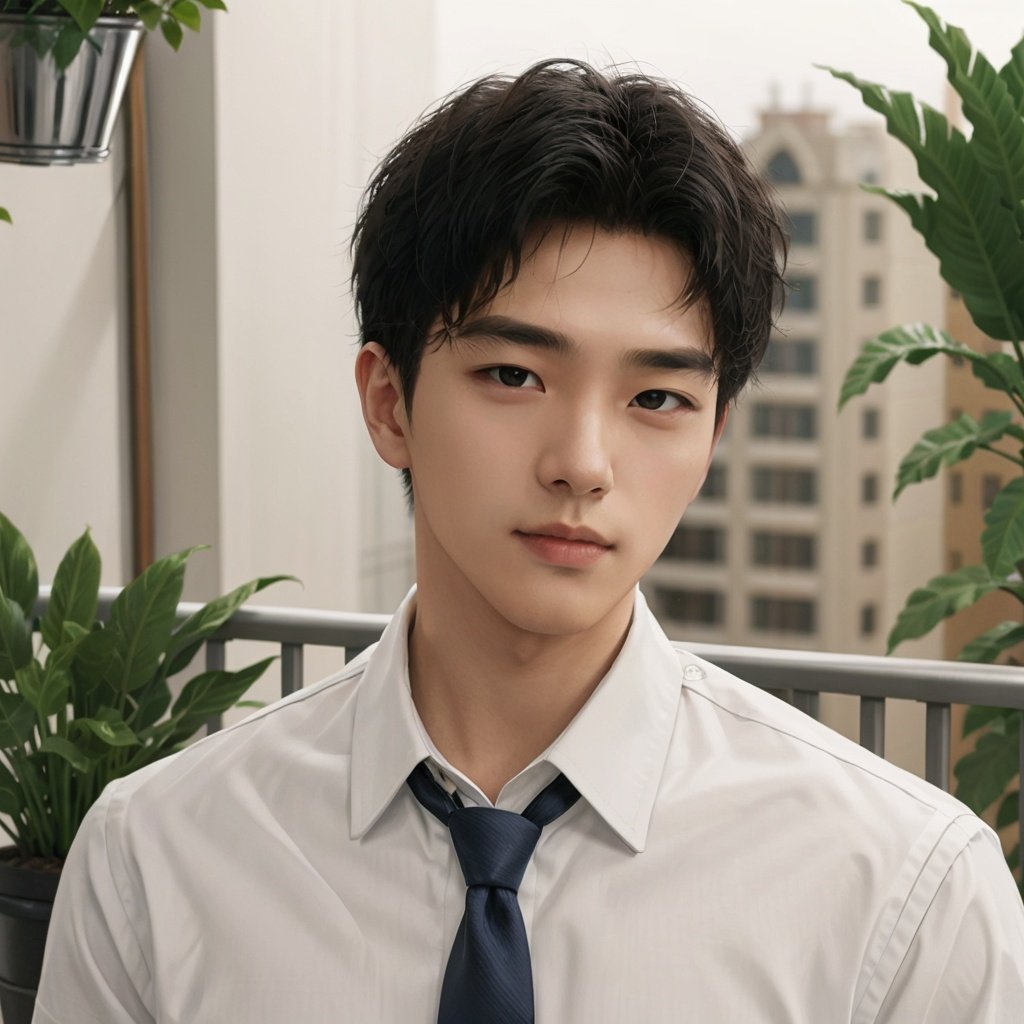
(595, 285)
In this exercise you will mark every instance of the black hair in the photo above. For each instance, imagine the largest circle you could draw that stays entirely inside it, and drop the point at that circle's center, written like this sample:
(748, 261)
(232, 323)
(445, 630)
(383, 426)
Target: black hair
(447, 213)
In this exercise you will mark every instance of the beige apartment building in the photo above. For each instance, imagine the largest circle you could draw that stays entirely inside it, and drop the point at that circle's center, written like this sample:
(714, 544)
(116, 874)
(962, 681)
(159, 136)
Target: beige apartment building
(795, 541)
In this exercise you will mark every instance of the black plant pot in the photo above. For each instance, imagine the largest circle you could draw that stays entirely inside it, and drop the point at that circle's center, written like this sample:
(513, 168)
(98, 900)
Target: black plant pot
(26, 902)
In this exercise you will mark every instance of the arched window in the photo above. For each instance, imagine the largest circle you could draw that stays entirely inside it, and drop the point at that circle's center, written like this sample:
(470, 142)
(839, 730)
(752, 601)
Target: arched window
(782, 169)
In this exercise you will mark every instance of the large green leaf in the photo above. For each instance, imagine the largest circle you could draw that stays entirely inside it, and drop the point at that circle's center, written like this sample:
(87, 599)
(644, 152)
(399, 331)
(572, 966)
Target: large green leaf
(96, 664)
(142, 618)
(940, 598)
(1002, 541)
(12, 795)
(153, 701)
(1009, 810)
(948, 445)
(17, 720)
(71, 753)
(149, 12)
(983, 774)
(15, 638)
(966, 225)
(1012, 74)
(201, 625)
(85, 12)
(19, 577)
(208, 694)
(999, 371)
(107, 725)
(998, 136)
(989, 645)
(5, 215)
(977, 717)
(187, 13)
(909, 343)
(75, 591)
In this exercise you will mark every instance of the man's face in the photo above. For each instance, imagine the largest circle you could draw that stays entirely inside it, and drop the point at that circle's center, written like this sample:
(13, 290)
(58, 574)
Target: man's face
(579, 401)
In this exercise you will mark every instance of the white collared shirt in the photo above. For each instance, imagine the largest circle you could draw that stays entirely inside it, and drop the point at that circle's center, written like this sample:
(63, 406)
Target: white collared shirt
(730, 860)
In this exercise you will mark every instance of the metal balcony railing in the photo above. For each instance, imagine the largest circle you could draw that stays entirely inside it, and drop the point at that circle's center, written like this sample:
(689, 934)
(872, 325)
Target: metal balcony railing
(801, 676)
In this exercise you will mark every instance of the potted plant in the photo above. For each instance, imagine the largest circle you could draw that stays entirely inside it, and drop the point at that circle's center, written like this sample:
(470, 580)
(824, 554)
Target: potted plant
(974, 224)
(64, 65)
(89, 705)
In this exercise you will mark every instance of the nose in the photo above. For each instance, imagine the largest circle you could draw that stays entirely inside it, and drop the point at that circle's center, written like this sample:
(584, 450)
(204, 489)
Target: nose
(576, 457)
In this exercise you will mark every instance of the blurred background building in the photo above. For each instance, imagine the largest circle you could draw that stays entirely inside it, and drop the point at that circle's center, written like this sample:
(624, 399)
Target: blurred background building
(794, 541)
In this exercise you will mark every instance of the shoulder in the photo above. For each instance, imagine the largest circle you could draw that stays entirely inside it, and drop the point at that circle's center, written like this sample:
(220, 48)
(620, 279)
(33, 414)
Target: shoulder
(259, 753)
(764, 731)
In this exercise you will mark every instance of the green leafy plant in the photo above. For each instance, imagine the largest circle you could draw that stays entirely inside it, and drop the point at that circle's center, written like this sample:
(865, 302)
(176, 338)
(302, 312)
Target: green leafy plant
(974, 224)
(65, 39)
(92, 702)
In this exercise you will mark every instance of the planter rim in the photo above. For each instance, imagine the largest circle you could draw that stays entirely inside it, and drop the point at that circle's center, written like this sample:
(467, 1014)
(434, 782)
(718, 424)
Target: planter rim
(26, 883)
(121, 21)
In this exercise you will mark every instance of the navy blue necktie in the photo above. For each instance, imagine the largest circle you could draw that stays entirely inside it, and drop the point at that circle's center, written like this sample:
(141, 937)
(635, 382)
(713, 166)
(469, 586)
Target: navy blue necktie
(488, 979)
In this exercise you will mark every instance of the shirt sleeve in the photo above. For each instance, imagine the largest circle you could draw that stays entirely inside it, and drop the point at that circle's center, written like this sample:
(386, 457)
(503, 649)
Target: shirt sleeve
(94, 970)
(965, 964)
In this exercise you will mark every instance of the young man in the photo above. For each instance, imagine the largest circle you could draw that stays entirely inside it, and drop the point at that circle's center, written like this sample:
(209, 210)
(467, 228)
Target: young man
(524, 803)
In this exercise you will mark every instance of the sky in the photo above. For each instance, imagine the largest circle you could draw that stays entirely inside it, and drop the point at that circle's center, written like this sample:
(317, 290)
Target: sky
(731, 54)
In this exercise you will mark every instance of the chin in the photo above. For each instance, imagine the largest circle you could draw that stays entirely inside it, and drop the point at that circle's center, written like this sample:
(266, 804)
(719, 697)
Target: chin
(559, 610)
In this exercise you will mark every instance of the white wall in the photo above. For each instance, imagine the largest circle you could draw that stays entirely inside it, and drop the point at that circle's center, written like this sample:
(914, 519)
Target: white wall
(63, 332)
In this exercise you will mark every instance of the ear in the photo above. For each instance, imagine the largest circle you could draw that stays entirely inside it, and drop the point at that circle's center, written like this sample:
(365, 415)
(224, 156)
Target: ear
(380, 394)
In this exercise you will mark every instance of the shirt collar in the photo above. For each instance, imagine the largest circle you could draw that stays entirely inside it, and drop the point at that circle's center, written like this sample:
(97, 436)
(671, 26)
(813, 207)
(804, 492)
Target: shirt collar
(613, 751)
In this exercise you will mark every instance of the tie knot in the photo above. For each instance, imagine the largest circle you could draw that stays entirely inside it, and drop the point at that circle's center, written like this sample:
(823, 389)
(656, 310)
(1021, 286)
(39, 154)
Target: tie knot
(493, 846)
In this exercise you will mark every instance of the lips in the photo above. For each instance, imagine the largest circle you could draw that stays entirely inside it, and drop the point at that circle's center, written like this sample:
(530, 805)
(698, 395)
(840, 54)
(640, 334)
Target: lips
(566, 547)
(563, 532)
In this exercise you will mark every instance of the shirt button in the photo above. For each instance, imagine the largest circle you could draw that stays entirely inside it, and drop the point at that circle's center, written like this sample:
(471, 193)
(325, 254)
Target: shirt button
(693, 673)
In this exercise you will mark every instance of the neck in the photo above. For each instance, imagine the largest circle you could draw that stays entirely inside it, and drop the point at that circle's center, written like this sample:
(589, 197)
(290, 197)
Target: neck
(492, 696)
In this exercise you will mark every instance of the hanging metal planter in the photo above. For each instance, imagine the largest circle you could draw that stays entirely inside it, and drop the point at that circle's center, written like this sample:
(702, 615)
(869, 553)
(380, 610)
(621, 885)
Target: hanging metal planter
(48, 116)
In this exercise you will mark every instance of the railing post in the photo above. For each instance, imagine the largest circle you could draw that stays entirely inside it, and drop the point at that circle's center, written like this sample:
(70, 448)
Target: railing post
(215, 660)
(808, 701)
(872, 724)
(291, 668)
(936, 745)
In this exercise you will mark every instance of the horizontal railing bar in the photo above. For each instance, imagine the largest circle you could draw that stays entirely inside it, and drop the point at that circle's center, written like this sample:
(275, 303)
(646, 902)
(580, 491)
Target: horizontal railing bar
(862, 675)
(867, 675)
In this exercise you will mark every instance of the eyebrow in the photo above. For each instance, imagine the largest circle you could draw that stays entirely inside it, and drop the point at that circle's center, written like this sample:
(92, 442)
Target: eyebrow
(685, 359)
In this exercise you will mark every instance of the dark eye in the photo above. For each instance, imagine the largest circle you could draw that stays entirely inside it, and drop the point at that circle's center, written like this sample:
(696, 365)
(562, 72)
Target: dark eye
(511, 376)
(659, 401)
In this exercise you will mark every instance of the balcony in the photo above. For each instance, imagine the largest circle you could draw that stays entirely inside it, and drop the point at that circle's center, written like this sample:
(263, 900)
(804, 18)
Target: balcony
(800, 677)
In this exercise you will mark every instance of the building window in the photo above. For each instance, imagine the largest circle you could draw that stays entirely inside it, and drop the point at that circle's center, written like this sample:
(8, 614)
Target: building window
(872, 225)
(782, 169)
(697, 544)
(783, 615)
(869, 423)
(872, 291)
(803, 228)
(868, 615)
(869, 488)
(793, 422)
(956, 488)
(791, 355)
(714, 483)
(784, 550)
(784, 486)
(803, 296)
(869, 554)
(991, 485)
(704, 607)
